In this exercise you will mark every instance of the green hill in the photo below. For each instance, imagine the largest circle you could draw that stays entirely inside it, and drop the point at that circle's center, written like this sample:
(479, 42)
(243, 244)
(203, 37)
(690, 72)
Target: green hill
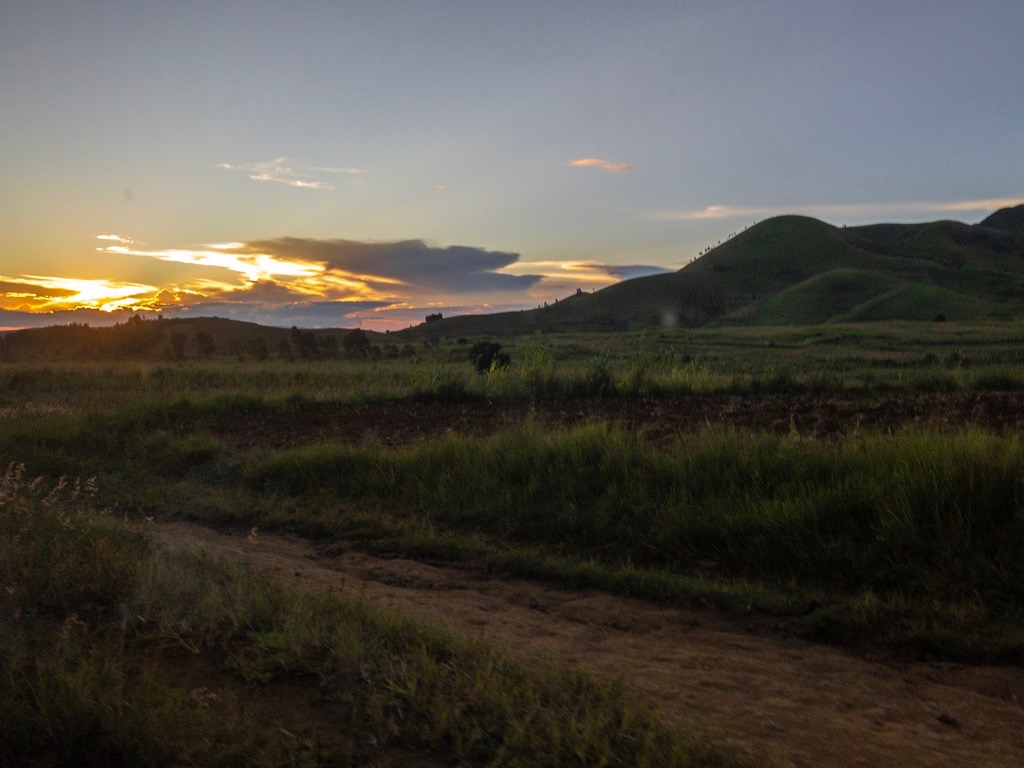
(1009, 219)
(793, 270)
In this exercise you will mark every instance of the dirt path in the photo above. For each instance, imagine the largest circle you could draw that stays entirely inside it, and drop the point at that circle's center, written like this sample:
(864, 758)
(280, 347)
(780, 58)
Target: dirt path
(812, 705)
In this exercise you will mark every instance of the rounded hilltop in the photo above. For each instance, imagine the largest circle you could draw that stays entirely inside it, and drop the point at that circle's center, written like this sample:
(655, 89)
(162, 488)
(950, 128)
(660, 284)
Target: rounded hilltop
(1006, 219)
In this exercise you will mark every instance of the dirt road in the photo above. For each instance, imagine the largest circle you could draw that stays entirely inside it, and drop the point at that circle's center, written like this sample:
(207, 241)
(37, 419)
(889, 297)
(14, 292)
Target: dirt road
(811, 705)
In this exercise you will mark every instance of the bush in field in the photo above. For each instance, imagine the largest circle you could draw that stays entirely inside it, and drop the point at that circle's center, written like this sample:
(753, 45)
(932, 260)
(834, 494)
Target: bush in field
(205, 344)
(304, 342)
(599, 379)
(487, 355)
(356, 343)
(179, 342)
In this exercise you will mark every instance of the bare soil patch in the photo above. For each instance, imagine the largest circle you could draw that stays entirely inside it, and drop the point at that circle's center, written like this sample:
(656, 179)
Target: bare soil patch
(659, 420)
(761, 691)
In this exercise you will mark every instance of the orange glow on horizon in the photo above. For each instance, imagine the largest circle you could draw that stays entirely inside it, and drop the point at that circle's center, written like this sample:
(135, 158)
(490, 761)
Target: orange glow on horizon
(253, 280)
(305, 279)
(44, 293)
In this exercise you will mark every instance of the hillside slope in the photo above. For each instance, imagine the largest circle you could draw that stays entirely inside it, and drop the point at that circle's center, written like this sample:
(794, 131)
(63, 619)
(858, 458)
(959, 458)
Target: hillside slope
(1009, 219)
(798, 270)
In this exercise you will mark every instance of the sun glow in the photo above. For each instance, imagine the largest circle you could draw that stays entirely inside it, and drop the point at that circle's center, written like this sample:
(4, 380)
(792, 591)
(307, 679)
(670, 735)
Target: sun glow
(260, 275)
(253, 267)
(45, 293)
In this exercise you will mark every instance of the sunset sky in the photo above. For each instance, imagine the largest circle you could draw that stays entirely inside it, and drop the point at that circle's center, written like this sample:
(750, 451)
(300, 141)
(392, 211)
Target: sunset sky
(340, 163)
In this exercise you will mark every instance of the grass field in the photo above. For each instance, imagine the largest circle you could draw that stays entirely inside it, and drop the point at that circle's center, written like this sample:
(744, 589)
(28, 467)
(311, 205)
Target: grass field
(901, 535)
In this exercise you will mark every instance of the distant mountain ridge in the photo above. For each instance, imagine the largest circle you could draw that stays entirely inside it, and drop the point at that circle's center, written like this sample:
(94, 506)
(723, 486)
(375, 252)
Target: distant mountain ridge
(796, 270)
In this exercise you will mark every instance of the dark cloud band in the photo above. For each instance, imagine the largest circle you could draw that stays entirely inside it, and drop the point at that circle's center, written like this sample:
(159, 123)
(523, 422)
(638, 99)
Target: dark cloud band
(452, 269)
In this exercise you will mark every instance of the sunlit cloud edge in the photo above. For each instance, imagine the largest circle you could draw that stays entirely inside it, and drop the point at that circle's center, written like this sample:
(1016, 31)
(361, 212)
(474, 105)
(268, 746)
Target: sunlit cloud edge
(280, 171)
(596, 162)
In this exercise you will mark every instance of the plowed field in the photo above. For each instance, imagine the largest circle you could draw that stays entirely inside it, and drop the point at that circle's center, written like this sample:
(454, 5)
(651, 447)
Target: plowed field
(659, 420)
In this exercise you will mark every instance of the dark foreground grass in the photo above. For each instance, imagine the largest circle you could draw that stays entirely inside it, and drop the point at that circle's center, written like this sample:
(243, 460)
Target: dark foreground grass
(116, 652)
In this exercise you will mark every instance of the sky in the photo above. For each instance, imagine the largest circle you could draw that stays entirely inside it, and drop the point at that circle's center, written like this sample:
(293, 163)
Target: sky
(344, 164)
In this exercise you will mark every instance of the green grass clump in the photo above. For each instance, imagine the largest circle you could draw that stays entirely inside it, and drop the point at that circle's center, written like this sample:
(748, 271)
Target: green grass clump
(53, 556)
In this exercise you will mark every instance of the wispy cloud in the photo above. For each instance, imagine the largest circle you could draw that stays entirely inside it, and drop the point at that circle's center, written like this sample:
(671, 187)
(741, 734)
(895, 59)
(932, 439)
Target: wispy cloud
(629, 271)
(341, 170)
(305, 314)
(858, 211)
(596, 162)
(592, 274)
(116, 239)
(280, 171)
(984, 205)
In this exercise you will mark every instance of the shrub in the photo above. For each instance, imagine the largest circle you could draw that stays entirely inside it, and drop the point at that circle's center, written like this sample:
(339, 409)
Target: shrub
(487, 355)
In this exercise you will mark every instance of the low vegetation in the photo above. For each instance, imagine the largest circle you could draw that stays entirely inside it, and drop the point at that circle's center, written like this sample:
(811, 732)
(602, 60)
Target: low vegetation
(114, 650)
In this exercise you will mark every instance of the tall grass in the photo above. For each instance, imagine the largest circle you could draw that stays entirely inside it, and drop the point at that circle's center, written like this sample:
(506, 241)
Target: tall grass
(924, 518)
(758, 503)
(56, 558)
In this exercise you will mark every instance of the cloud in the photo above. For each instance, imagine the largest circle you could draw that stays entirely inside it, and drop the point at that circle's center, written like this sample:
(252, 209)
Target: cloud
(312, 282)
(252, 266)
(279, 171)
(986, 206)
(406, 266)
(595, 162)
(715, 212)
(855, 211)
(44, 292)
(116, 239)
(308, 314)
(593, 274)
(13, 288)
(624, 272)
(337, 169)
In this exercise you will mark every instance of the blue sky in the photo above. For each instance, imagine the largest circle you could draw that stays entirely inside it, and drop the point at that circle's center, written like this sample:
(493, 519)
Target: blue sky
(366, 163)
